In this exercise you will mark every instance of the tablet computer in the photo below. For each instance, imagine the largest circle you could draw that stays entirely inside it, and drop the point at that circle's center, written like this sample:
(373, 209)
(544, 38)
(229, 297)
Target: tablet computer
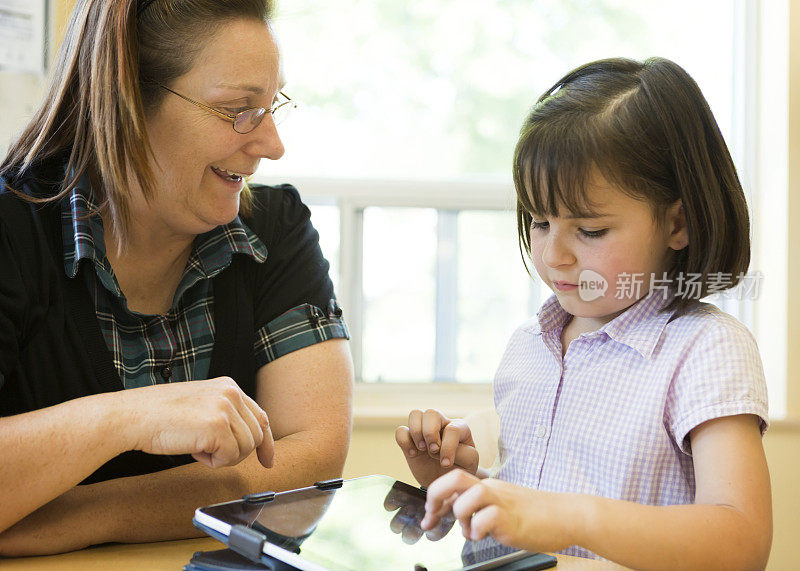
(364, 523)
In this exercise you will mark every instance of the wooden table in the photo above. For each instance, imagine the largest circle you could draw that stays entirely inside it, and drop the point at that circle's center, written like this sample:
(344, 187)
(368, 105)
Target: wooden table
(173, 555)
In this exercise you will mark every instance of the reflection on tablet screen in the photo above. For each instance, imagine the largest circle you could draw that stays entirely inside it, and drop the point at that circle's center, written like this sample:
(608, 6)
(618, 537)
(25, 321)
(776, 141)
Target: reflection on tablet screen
(368, 523)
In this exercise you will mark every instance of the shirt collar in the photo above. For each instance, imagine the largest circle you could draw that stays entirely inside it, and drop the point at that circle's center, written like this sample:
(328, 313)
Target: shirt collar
(550, 317)
(214, 250)
(639, 327)
(82, 230)
(83, 238)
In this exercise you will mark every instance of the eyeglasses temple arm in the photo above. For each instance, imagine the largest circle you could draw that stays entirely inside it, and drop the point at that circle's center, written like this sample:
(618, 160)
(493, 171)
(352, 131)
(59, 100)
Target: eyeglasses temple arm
(206, 107)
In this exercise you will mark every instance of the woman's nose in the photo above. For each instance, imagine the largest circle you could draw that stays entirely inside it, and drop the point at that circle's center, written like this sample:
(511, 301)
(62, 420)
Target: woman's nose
(264, 141)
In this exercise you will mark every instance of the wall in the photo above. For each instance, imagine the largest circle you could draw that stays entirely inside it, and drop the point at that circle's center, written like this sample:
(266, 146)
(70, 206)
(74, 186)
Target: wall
(783, 444)
(20, 93)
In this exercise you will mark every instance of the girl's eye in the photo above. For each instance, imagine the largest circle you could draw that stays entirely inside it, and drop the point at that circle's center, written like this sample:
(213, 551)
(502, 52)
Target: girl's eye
(593, 233)
(539, 225)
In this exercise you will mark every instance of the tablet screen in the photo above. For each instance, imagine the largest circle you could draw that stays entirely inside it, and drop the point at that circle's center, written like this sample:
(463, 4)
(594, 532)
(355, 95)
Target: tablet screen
(368, 523)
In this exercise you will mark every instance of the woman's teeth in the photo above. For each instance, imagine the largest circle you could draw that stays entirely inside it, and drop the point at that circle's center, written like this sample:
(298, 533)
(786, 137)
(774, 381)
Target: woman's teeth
(228, 175)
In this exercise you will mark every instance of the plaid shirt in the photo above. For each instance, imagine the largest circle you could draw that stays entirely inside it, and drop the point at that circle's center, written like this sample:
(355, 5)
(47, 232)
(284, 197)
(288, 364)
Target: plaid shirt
(177, 346)
(612, 417)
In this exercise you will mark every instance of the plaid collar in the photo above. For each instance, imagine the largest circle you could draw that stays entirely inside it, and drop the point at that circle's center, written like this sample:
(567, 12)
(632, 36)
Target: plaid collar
(639, 327)
(82, 231)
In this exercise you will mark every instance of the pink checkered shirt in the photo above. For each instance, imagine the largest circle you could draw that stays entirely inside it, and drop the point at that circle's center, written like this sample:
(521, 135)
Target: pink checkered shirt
(612, 418)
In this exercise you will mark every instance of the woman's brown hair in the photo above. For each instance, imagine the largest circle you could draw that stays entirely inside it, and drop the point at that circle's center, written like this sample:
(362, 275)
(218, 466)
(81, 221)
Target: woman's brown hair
(115, 55)
(646, 127)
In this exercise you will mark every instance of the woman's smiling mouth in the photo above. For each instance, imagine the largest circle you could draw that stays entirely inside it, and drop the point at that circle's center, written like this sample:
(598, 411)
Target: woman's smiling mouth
(229, 175)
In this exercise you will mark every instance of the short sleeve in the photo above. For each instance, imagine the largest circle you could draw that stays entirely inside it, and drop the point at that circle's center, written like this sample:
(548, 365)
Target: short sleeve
(294, 302)
(721, 375)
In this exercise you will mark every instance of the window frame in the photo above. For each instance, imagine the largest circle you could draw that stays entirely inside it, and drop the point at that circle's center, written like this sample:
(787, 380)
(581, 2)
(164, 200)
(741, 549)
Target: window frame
(352, 196)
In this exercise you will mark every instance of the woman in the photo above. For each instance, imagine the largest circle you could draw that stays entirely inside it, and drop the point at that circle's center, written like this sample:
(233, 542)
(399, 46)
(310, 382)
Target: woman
(134, 257)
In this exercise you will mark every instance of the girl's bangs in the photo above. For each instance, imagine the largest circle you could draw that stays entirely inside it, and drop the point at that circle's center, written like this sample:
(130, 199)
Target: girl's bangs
(551, 172)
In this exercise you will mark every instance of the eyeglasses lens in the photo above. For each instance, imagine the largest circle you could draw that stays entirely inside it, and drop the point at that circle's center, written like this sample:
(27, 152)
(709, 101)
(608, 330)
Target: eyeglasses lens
(248, 120)
(282, 111)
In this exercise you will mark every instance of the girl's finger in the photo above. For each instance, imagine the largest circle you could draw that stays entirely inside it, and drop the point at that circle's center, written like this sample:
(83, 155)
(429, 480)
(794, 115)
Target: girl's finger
(441, 489)
(456, 433)
(484, 522)
(470, 502)
(465, 457)
(465, 530)
(433, 518)
(432, 423)
(404, 440)
(415, 428)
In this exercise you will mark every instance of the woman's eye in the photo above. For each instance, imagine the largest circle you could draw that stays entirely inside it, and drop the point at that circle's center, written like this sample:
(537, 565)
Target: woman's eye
(593, 233)
(539, 225)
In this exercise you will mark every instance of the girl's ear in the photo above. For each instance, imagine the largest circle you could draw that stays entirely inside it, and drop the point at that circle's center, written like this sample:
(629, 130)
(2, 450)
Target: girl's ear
(678, 237)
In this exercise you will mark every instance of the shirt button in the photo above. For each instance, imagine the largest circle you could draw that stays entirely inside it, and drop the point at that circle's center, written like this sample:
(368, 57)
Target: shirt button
(540, 431)
(316, 315)
(334, 310)
(166, 372)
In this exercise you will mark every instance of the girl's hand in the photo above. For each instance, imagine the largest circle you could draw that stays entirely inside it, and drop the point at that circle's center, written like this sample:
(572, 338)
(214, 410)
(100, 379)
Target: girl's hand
(410, 510)
(513, 515)
(213, 420)
(434, 444)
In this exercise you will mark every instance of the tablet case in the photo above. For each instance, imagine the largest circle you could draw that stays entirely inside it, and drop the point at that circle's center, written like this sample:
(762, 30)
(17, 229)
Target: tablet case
(223, 560)
(246, 546)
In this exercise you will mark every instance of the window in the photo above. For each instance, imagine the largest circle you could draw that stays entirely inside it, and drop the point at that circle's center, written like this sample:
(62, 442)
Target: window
(403, 150)
(397, 89)
(440, 301)
(432, 291)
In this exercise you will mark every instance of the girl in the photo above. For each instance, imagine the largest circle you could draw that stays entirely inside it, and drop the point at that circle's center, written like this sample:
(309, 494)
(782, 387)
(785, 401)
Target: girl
(631, 414)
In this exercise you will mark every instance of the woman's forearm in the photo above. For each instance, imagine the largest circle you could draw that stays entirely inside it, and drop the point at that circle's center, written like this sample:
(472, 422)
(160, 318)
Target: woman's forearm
(670, 537)
(161, 505)
(46, 452)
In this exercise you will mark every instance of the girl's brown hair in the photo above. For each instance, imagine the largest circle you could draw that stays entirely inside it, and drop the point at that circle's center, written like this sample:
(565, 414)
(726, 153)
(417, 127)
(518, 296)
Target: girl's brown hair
(646, 127)
(115, 55)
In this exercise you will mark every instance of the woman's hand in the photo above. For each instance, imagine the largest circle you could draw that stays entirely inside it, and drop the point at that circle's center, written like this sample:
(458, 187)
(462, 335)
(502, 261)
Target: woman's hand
(513, 515)
(213, 420)
(434, 444)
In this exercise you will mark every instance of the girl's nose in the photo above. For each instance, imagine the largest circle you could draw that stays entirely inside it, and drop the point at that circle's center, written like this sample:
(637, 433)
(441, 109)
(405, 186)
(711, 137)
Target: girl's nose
(555, 252)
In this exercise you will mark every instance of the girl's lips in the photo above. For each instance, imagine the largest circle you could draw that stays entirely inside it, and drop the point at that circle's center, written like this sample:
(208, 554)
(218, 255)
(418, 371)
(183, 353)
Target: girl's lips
(565, 286)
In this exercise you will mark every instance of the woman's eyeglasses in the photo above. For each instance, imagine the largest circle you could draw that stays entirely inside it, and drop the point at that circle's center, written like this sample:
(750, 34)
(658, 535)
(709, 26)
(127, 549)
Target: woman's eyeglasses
(249, 119)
